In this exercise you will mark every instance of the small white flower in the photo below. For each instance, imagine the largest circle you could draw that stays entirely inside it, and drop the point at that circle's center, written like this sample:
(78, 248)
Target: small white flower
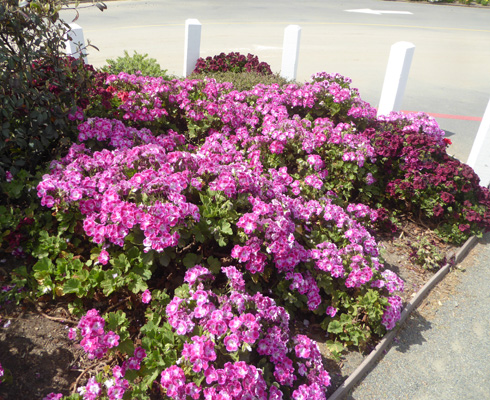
(109, 383)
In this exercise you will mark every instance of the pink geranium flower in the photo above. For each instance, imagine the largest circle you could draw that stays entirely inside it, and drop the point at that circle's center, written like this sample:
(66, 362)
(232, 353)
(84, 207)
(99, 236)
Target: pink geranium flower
(104, 257)
(146, 296)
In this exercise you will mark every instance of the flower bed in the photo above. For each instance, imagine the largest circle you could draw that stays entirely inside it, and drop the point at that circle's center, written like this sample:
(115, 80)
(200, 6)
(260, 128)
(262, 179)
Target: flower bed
(224, 216)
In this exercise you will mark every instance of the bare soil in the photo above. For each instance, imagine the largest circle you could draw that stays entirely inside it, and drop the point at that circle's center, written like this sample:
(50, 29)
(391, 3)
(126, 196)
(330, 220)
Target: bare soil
(35, 348)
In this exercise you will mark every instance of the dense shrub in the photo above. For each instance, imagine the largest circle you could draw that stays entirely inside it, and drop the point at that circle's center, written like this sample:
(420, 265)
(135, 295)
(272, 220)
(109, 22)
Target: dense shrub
(39, 86)
(136, 63)
(242, 80)
(232, 62)
(419, 178)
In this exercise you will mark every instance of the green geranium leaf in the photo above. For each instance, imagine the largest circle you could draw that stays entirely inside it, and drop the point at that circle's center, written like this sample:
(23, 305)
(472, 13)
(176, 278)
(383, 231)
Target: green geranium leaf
(71, 286)
(191, 259)
(335, 327)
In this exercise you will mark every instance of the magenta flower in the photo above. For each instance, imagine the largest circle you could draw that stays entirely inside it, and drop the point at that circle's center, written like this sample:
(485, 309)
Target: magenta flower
(139, 353)
(463, 227)
(110, 339)
(331, 311)
(104, 257)
(72, 334)
(53, 396)
(146, 296)
(232, 343)
(92, 389)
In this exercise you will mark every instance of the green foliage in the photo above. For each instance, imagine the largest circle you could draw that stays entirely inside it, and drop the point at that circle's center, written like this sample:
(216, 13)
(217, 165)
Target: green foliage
(19, 287)
(130, 270)
(242, 80)
(62, 272)
(136, 63)
(218, 214)
(39, 85)
(358, 312)
(159, 340)
(426, 254)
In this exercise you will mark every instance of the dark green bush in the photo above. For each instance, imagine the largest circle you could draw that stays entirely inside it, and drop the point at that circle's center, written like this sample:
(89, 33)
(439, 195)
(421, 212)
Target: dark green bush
(242, 80)
(39, 85)
(136, 62)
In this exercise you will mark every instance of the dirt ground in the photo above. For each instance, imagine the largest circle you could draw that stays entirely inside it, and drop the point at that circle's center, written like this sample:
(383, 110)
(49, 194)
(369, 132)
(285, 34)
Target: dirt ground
(39, 355)
(35, 348)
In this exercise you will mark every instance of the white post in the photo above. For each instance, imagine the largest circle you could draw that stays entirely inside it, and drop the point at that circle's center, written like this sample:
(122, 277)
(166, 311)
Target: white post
(479, 158)
(396, 77)
(75, 46)
(290, 51)
(192, 45)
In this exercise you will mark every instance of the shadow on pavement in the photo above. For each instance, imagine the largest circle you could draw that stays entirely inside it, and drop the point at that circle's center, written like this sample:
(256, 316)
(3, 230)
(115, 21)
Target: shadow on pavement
(411, 333)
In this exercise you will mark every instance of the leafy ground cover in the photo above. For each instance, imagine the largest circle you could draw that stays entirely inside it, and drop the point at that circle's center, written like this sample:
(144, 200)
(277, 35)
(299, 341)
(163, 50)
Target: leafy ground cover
(198, 241)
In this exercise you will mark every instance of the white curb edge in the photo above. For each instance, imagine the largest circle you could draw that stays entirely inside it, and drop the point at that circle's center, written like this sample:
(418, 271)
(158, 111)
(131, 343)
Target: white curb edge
(369, 361)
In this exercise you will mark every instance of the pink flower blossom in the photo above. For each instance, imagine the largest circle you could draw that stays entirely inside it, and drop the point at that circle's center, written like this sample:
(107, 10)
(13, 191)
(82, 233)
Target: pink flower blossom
(53, 396)
(331, 311)
(146, 296)
(232, 343)
(104, 257)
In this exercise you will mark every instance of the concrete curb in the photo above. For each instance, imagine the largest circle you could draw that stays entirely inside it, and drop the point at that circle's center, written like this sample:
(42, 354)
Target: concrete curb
(370, 360)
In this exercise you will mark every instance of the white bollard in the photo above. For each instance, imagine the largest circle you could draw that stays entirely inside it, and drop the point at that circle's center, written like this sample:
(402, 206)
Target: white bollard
(396, 77)
(192, 45)
(290, 51)
(479, 158)
(76, 46)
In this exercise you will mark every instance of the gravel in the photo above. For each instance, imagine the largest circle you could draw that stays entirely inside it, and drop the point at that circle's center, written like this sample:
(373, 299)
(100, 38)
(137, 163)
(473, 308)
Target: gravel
(443, 350)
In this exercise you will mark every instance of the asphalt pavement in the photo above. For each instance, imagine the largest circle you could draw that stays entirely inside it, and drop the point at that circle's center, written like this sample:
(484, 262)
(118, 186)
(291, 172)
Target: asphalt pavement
(442, 352)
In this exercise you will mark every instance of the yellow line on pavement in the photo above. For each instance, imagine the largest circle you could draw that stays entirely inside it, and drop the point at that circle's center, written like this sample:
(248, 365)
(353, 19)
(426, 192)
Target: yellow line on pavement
(442, 28)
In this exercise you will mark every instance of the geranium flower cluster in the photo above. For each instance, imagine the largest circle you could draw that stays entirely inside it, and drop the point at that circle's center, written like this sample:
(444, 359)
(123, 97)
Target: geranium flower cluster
(393, 312)
(234, 62)
(18, 236)
(285, 171)
(235, 324)
(95, 341)
(105, 184)
(422, 175)
(112, 388)
(53, 396)
(406, 148)
(151, 183)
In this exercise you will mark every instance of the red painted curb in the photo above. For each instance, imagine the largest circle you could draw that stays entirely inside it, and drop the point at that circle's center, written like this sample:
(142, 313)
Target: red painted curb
(450, 116)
